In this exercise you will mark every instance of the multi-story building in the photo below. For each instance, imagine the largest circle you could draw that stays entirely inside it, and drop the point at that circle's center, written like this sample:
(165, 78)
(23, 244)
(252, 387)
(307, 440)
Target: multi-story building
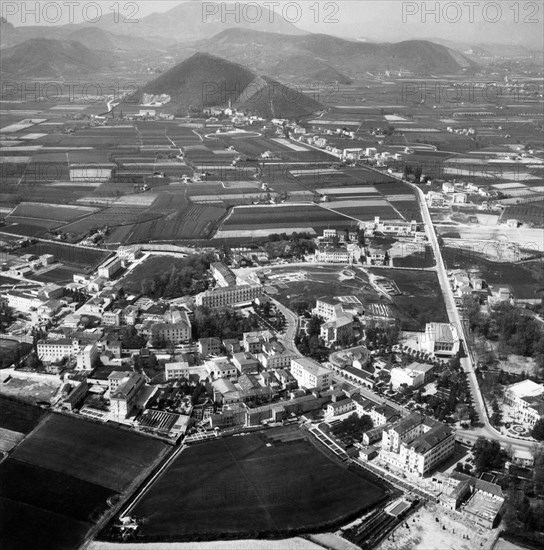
(337, 408)
(172, 333)
(274, 355)
(110, 268)
(24, 301)
(56, 350)
(246, 362)
(176, 371)
(209, 346)
(331, 254)
(253, 341)
(413, 375)
(222, 275)
(440, 339)
(337, 330)
(111, 318)
(221, 367)
(123, 398)
(223, 297)
(85, 359)
(328, 308)
(129, 253)
(527, 400)
(310, 374)
(417, 444)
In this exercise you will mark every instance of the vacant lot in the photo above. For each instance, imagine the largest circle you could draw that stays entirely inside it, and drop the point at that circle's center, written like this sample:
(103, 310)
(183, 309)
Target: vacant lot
(247, 486)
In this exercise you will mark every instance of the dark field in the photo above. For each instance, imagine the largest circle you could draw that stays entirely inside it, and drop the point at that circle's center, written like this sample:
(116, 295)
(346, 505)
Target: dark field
(69, 255)
(23, 526)
(18, 416)
(93, 452)
(269, 217)
(59, 275)
(45, 489)
(55, 485)
(239, 486)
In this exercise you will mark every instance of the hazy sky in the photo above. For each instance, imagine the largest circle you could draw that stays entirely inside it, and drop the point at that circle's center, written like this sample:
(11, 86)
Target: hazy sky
(472, 21)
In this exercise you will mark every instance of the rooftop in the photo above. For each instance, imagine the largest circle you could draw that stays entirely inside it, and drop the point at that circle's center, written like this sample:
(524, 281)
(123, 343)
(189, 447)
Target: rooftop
(311, 366)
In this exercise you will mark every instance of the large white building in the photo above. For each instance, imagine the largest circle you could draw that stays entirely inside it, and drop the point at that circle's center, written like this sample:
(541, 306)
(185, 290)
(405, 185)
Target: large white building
(176, 371)
(527, 399)
(123, 398)
(227, 296)
(417, 444)
(413, 375)
(110, 268)
(440, 339)
(332, 254)
(310, 374)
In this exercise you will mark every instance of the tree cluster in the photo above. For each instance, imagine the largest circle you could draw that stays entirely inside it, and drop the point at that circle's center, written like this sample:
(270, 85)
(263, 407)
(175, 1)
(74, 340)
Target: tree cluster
(187, 277)
(353, 427)
(515, 330)
(227, 323)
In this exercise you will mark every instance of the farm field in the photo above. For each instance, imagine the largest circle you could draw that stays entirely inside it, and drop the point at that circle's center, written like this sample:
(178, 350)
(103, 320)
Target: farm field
(238, 486)
(271, 217)
(66, 457)
(49, 212)
(18, 416)
(93, 452)
(69, 255)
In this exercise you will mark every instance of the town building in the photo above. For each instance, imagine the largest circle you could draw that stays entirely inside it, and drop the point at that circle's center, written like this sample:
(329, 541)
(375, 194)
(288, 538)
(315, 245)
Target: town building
(176, 371)
(228, 296)
(209, 346)
(245, 362)
(108, 269)
(328, 308)
(417, 444)
(310, 374)
(414, 375)
(274, 355)
(440, 339)
(340, 406)
(123, 398)
(527, 400)
(331, 254)
(222, 275)
(86, 358)
(339, 330)
(173, 333)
